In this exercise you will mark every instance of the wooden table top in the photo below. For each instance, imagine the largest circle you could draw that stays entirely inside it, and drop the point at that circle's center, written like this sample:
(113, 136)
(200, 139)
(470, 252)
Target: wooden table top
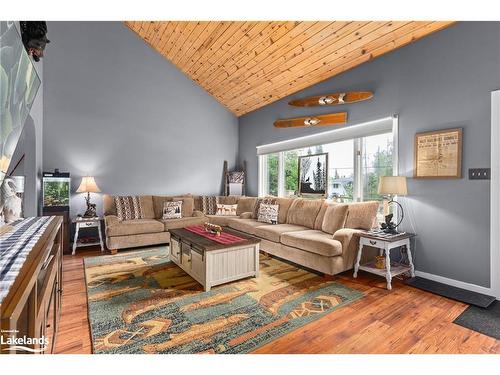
(206, 244)
(394, 238)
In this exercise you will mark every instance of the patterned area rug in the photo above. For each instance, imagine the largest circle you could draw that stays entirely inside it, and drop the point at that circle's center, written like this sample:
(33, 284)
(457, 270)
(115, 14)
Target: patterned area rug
(140, 302)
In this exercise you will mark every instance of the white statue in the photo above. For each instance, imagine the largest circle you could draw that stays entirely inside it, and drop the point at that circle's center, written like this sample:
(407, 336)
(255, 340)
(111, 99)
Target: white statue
(10, 204)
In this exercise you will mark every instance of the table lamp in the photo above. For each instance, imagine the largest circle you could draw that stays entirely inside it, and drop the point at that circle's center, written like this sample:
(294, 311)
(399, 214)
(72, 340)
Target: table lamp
(391, 186)
(88, 186)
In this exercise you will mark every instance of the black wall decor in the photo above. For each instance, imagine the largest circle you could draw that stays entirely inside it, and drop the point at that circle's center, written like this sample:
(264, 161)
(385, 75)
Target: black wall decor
(34, 35)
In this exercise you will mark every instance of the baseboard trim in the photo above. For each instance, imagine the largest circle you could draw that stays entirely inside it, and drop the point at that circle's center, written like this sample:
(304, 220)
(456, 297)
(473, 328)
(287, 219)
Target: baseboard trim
(456, 283)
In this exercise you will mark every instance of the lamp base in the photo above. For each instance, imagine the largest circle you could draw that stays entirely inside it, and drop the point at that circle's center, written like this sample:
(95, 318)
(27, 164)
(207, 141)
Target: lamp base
(91, 208)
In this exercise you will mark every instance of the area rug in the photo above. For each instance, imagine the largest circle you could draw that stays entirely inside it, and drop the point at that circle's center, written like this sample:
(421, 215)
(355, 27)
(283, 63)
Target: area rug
(485, 321)
(140, 302)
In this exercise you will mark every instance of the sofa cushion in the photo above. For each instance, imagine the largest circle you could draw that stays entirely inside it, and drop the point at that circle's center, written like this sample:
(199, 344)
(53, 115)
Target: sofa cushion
(321, 214)
(246, 225)
(284, 204)
(273, 232)
(361, 215)
(187, 205)
(158, 202)
(304, 211)
(245, 204)
(130, 227)
(220, 220)
(230, 199)
(314, 241)
(183, 222)
(334, 218)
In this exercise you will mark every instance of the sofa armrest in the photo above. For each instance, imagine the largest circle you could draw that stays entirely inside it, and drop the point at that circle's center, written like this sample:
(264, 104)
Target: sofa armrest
(110, 220)
(197, 213)
(350, 242)
(246, 215)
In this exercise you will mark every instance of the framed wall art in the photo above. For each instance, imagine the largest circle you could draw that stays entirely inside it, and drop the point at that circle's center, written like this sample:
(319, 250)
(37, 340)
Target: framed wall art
(438, 154)
(313, 174)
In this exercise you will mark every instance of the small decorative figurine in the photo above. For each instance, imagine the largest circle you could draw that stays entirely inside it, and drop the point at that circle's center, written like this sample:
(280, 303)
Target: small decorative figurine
(213, 228)
(389, 226)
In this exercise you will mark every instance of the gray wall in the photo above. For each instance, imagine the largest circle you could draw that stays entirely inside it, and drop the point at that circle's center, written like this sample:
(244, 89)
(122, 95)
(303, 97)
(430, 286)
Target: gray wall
(117, 110)
(441, 81)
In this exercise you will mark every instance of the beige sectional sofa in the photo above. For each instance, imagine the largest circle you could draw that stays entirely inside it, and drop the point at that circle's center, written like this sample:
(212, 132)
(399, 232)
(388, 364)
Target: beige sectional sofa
(152, 230)
(313, 233)
(310, 232)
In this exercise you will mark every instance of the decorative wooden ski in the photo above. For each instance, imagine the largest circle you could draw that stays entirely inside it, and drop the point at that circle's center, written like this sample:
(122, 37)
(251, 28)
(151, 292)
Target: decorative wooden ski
(333, 99)
(339, 118)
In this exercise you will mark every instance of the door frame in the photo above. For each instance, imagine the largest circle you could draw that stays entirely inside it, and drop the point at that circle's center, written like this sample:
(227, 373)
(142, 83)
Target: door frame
(495, 196)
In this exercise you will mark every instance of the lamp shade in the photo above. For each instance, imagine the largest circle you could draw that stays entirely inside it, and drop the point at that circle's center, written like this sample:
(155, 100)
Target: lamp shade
(392, 185)
(88, 185)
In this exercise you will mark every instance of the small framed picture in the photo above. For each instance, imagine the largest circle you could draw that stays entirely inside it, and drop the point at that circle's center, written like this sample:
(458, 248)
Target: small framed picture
(438, 154)
(313, 174)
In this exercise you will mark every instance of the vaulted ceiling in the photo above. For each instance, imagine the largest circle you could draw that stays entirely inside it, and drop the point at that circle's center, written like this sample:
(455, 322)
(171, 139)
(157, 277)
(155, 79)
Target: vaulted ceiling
(246, 65)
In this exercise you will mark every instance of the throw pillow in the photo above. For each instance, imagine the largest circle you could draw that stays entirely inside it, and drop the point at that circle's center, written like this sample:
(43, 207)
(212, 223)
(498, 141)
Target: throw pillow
(172, 210)
(226, 209)
(128, 208)
(266, 200)
(209, 204)
(268, 213)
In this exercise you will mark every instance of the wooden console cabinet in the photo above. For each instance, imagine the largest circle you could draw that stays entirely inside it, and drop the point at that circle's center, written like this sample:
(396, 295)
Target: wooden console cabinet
(32, 306)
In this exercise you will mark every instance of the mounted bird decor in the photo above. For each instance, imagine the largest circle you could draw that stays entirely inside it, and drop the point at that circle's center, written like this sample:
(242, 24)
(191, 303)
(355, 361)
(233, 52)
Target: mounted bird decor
(333, 99)
(34, 35)
(339, 118)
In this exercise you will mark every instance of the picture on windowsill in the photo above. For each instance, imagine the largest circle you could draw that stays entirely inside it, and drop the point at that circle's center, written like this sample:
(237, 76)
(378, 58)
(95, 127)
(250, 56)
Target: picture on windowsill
(313, 174)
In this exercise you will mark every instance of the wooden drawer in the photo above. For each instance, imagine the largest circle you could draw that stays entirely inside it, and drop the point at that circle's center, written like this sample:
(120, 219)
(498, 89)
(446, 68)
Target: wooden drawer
(372, 242)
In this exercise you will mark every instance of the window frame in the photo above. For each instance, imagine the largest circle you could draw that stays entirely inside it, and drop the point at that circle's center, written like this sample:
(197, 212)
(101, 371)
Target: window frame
(357, 155)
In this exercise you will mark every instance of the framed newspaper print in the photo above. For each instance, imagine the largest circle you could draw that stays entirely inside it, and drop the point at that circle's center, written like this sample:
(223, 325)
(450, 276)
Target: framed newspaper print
(438, 154)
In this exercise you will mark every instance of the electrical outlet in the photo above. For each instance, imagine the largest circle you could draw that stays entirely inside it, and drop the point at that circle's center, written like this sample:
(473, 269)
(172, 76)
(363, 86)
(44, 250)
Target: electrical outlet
(479, 173)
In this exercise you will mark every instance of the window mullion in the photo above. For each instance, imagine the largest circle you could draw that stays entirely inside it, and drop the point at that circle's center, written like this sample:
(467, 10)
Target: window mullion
(281, 174)
(358, 181)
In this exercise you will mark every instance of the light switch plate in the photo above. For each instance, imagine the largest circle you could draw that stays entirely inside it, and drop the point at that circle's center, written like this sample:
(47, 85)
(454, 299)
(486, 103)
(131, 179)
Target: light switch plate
(479, 173)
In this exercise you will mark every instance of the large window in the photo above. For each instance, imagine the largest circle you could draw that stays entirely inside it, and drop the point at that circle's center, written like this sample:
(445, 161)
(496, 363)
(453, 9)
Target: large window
(354, 168)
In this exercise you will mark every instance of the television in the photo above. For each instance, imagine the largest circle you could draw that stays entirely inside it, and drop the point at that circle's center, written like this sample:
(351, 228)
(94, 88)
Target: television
(56, 190)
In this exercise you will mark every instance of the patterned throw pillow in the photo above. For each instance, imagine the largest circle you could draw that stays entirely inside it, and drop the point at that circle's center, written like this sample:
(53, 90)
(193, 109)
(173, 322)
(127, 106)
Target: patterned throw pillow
(268, 213)
(226, 209)
(266, 200)
(172, 210)
(128, 208)
(209, 204)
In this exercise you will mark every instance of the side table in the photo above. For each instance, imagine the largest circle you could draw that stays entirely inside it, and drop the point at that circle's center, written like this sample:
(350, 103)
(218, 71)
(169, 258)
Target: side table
(87, 222)
(385, 243)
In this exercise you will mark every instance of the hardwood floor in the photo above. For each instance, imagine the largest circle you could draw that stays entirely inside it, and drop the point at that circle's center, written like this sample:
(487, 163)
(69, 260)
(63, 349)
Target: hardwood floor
(404, 320)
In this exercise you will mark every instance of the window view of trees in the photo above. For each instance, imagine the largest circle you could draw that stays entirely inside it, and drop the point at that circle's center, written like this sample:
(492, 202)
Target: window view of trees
(272, 174)
(377, 161)
(376, 154)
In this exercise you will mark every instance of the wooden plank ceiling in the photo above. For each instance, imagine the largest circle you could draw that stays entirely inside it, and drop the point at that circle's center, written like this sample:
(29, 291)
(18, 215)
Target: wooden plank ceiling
(246, 65)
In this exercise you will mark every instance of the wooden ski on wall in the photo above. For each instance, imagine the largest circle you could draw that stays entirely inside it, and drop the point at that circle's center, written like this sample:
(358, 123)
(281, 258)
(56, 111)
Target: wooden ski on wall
(333, 99)
(339, 118)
